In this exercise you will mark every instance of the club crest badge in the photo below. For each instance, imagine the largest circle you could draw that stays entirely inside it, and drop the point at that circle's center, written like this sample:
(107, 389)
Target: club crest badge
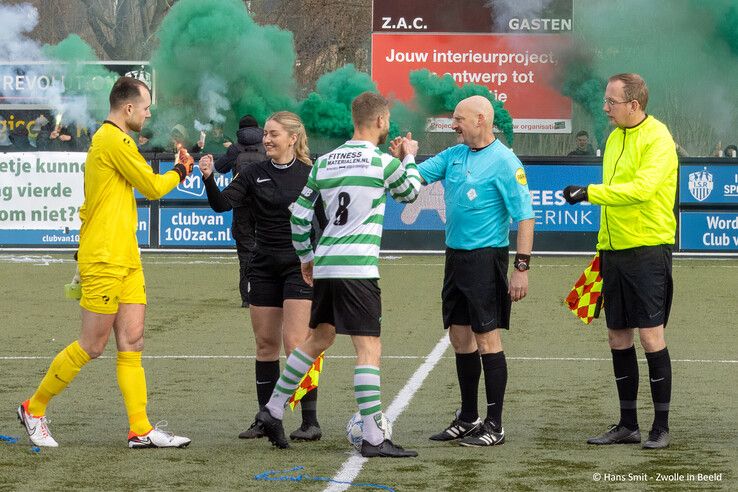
(700, 184)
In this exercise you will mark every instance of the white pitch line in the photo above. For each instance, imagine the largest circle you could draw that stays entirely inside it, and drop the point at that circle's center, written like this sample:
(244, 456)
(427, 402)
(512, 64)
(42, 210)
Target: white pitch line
(246, 357)
(352, 466)
(168, 258)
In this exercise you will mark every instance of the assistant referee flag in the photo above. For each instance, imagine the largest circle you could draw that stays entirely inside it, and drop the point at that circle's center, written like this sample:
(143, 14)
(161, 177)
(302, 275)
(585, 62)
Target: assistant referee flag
(585, 298)
(308, 382)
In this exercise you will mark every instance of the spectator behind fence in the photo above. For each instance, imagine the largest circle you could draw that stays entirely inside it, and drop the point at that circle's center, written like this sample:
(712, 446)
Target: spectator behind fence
(35, 129)
(179, 137)
(215, 142)
(730, 151)
(145, 143)
(583, 146)
(61, 140)
(247, 150)
(19, 139)
(5, 142)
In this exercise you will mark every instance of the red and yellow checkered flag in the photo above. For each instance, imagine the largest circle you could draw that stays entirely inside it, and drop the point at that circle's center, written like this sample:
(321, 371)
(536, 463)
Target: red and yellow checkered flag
(585, 298)
(308, 382)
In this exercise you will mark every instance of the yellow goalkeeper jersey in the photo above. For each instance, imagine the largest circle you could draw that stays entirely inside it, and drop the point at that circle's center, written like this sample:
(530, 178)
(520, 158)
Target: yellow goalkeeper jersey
(114, 166)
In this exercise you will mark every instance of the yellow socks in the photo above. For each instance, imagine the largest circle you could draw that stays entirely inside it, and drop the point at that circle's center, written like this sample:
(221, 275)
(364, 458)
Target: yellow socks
(67, 364)
(132, 383)
(62, 371)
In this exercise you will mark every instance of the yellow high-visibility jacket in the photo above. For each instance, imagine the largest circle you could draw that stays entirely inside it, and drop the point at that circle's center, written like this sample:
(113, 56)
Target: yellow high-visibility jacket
(639, 181)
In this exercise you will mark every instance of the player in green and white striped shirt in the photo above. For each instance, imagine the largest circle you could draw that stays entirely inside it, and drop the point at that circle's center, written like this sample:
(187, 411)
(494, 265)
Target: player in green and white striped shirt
(352, 182)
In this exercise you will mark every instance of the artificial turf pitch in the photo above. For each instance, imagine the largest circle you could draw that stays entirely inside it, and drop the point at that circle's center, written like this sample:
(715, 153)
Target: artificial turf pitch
(199, 365)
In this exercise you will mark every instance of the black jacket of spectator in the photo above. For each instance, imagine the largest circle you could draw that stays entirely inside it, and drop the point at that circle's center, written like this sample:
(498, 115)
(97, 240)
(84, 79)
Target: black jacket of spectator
(57, 144)
(246, 151)
(248, 143)
(19, 139)
(588, 151)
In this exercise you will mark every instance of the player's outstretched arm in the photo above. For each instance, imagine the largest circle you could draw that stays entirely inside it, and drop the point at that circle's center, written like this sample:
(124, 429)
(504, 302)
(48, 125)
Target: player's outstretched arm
(127, 160)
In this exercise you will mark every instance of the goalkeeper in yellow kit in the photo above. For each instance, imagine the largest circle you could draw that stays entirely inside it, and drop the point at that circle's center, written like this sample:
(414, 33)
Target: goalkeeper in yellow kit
(113, 287)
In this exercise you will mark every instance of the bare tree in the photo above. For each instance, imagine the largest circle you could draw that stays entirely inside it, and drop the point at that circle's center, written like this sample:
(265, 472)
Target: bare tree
(328, 33)
(56, 19)
(116, 29)
(124, 29)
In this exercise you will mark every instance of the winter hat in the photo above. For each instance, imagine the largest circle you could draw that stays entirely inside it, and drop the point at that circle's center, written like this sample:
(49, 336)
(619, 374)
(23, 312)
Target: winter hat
(247, 121)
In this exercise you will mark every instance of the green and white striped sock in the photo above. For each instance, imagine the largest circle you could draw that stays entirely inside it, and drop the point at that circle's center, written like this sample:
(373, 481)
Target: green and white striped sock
(297, 365)
(367, 392)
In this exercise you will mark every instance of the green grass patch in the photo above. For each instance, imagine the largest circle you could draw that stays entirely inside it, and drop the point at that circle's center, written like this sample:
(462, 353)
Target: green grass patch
(560, 388)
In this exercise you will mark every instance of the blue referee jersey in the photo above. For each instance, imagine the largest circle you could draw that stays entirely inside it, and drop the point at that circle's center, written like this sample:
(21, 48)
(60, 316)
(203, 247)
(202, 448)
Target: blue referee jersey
(484, 189)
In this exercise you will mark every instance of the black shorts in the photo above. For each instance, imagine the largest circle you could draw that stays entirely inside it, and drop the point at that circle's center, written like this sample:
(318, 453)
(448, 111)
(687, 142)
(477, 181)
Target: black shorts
(637, 286)
(275, 277)
(475, 289)
(353, 306)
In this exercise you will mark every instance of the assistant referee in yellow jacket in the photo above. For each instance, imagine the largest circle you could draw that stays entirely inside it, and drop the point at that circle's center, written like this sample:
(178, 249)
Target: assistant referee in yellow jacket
(113, 287)
(636, 238)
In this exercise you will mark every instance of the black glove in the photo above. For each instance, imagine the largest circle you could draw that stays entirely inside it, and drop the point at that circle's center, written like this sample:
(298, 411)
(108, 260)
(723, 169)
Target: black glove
(575, 194)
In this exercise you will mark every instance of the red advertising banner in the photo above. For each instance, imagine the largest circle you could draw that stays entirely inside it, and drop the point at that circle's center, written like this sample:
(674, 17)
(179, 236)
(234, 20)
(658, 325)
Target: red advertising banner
(518, 70)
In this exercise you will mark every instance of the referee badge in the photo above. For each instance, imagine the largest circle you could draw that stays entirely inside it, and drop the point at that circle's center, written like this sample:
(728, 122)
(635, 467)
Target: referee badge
(471, 194)
(520, 176)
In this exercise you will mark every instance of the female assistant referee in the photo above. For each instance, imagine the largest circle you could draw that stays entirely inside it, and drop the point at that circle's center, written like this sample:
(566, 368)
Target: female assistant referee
(280, 298)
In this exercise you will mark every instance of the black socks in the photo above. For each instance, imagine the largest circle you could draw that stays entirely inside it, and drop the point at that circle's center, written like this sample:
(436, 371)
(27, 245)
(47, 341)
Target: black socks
(625, 366)
(468, 371)
(659, 373)
(495, 381)
(267, 375)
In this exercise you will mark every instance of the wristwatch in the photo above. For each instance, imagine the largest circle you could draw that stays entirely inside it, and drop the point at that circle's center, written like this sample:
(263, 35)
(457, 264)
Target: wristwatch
(522, 262)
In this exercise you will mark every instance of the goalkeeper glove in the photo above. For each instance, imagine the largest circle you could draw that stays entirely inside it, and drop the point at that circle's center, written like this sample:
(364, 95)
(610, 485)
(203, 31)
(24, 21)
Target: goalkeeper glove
(185, 163)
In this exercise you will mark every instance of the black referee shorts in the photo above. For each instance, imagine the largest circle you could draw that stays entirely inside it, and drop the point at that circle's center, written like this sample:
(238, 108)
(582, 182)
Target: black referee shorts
(353, 306)
(475, 289)
(637, 286)
(274, 277)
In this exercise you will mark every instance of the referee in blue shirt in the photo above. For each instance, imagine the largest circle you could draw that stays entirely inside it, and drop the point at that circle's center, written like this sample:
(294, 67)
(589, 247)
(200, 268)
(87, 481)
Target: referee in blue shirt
(485, 188)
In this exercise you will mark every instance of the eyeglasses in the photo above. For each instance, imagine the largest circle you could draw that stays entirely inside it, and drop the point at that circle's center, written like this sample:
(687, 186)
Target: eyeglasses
(612, 102)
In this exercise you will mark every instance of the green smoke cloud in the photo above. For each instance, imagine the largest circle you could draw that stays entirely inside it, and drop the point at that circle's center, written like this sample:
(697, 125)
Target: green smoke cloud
(436, 95)
(727, 29)
(577, 79)
(683, 52)
(212, 50)
(211, 54)
(327, 111)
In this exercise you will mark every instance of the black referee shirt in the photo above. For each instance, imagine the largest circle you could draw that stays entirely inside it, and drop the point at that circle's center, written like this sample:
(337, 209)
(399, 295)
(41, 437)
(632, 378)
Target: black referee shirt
(268, 191)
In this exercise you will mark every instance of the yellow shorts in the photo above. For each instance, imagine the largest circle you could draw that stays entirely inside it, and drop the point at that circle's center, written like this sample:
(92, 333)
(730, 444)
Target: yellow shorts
(105, 286)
